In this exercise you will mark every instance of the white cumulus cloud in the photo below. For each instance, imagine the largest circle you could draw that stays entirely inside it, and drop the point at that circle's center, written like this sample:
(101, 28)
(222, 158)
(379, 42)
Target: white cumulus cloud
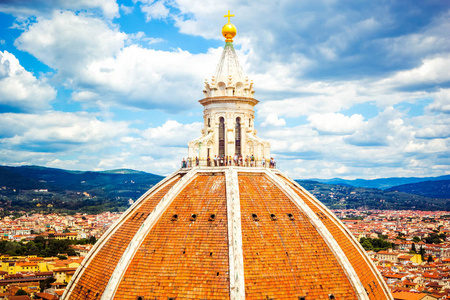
(24, 8)
(336, 123)
(386, 129)
(273, 120)
(441, 101)
(19, 89)
(432, 71)
(173, 134)
(59, 131)
(155, 10)
(129, 76)
(68, 42)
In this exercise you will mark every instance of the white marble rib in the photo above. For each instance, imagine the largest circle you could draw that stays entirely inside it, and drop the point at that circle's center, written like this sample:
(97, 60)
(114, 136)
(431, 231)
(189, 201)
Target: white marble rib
(347, 232)
(142, 232)
(111, 230)
(235, 252)
(326, 235)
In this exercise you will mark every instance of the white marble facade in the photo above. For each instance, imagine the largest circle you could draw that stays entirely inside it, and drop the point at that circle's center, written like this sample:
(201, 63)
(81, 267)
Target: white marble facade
(229, 115)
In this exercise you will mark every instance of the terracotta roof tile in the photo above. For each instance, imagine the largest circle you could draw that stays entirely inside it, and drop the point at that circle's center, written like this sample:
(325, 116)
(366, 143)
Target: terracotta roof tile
(284, 255)
(284, 259)
(185, 259)
(95, 277)
(364, 272)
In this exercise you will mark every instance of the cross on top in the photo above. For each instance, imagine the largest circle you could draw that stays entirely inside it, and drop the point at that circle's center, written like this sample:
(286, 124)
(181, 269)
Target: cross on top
(228, 16)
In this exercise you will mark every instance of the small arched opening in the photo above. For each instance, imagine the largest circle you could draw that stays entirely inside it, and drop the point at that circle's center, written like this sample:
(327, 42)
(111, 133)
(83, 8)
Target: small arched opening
(222, 88)
(221, 137)
(239, 89)
(237, 141)
(251, 148)
(209, 146)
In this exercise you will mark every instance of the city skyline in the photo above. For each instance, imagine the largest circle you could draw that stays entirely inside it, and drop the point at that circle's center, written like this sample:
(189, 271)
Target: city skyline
(346, 90)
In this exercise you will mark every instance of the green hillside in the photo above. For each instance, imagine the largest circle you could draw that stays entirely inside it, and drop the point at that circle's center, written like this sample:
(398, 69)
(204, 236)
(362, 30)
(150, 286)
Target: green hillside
(437, 189)
(40, 189)
(346, 197)
(36, 188)
(381, 183)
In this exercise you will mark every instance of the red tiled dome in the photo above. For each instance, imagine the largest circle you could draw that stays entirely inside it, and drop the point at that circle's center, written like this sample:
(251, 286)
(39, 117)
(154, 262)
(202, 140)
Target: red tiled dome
(227, 233)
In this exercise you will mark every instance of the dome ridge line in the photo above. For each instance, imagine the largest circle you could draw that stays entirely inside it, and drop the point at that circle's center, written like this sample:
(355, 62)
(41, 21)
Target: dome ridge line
(235, 248)
(142, 232)
(347, 232)
(109, 232)
(325, 233)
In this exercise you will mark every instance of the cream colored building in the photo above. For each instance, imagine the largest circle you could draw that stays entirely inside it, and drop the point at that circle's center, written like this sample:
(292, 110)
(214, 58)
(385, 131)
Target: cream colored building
(64, 275)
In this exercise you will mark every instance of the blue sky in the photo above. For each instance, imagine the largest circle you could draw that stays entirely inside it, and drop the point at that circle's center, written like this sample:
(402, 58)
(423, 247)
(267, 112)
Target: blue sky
(347, 89)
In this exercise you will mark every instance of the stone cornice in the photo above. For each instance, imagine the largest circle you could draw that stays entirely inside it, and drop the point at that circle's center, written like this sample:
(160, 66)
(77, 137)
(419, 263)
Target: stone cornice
(228, 99)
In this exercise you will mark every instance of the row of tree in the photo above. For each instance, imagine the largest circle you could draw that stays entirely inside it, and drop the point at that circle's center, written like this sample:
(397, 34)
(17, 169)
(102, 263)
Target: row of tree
(42, 247)
(379, 244)
(376, 244)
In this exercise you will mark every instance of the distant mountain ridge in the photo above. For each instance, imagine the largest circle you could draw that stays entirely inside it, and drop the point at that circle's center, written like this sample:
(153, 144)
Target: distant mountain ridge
(41, 189)
(435, 189)
(38, 173)
(380, 183)
(123, 171)
(344, 196)
(28, 188)
(37, 177)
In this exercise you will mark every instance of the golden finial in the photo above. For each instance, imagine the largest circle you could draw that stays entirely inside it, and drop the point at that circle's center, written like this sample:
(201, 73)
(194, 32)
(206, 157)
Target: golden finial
(229, 30)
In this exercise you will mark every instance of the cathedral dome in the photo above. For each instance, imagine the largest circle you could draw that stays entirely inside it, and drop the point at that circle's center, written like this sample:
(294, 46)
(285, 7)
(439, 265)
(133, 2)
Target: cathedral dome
(227, 233)
(211, 231)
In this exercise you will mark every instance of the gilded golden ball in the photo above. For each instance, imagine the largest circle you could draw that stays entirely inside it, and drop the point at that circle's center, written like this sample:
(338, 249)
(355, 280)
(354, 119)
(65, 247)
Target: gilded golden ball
(229, 32)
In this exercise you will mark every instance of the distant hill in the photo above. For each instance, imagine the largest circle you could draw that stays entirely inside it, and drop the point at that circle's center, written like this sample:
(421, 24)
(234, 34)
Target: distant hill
(381, 183)
(72, 190)
(348, 197)
(35, 177)
(123, 171)
(436, 189)
(40, 189)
